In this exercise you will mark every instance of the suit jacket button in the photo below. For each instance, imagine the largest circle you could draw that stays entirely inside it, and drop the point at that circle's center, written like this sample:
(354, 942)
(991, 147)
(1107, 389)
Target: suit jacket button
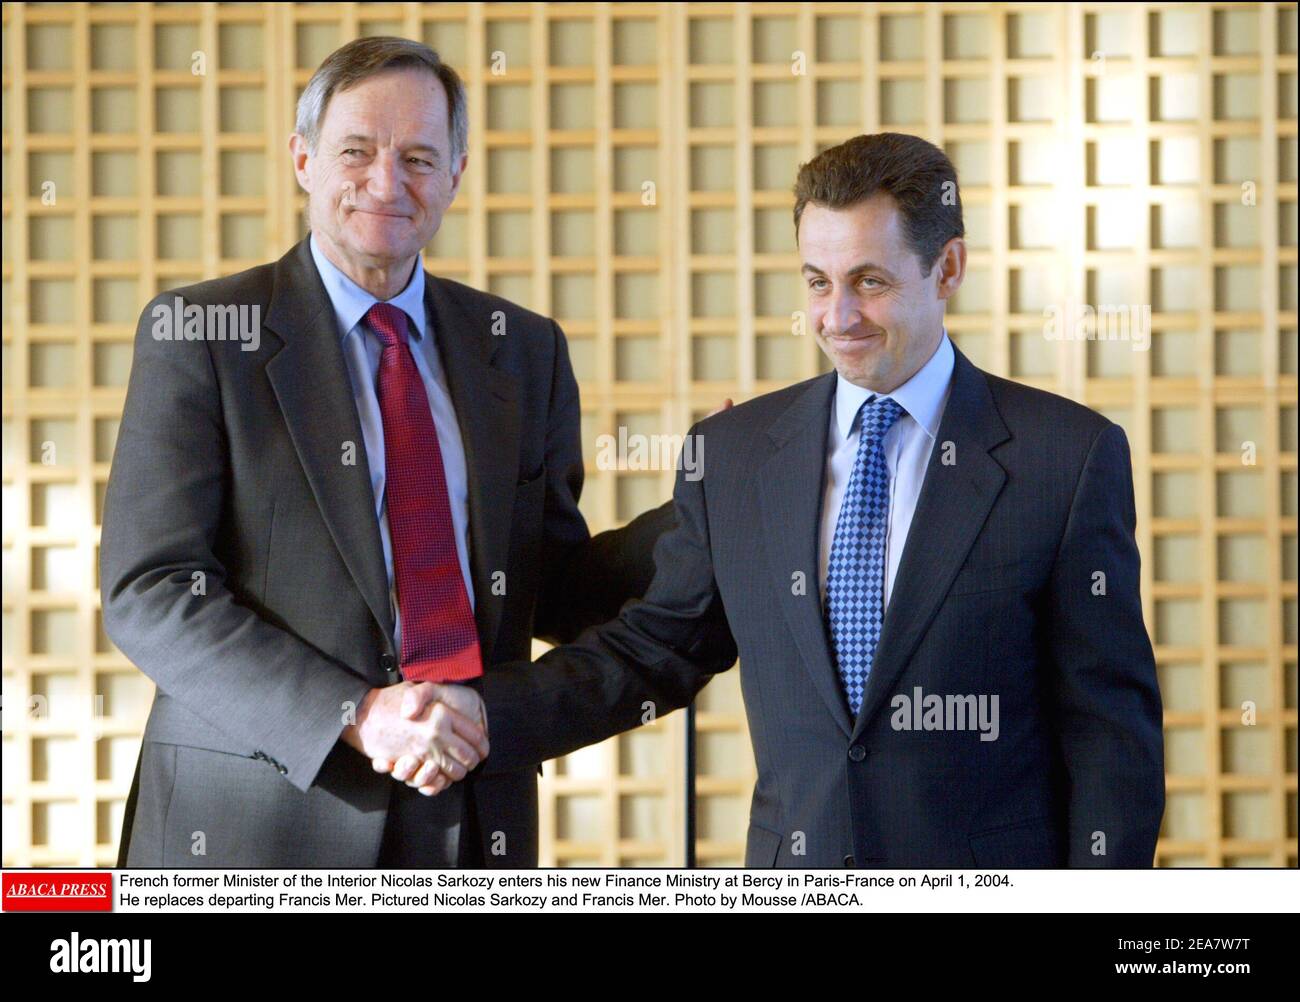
(282, 770)
(388, 665)
(857, 753)
(848, 861)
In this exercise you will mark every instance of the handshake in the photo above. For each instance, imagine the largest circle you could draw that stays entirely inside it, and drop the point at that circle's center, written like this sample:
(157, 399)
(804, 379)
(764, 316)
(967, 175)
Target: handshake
(427, 735)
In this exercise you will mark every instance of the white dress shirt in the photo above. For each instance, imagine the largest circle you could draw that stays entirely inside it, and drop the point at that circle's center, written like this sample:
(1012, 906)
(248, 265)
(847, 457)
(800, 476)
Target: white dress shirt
(362, 349)
(908, 445)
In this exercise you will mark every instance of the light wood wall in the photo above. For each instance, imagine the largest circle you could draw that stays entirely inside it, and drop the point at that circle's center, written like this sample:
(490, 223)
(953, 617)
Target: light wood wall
(1127, 153)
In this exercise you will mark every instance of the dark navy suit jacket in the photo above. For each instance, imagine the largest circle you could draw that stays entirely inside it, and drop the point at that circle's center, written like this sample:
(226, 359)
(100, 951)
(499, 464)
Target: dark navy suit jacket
(1019, 580)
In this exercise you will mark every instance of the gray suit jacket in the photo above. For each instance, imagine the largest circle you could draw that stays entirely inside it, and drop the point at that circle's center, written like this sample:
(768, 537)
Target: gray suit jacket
(242, 568)
(997, 595)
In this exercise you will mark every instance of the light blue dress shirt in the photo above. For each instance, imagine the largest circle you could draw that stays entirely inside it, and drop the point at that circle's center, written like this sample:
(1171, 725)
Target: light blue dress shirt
(362, 349)
(907, 444)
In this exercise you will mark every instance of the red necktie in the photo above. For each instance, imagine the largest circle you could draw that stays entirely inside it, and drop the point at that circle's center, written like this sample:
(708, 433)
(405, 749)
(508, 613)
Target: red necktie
(439, 641)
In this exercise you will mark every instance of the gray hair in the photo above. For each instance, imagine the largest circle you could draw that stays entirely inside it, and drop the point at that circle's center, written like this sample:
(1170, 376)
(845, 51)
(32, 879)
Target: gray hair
(366, 57)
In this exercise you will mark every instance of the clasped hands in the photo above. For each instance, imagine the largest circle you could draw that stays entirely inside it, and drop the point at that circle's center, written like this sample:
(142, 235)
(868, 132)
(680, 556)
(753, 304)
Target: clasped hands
(427, 735)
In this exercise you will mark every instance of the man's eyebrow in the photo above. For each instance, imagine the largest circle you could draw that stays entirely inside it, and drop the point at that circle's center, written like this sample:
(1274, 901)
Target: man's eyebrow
(857, 269)
(356, 137)
(879, 269)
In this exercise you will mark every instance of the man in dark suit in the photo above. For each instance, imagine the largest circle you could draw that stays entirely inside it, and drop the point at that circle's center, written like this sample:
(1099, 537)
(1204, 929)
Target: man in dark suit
(929, 572)
(372, 490)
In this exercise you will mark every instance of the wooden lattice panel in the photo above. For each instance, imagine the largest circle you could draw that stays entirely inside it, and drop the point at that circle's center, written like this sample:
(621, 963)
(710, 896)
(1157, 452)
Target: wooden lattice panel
(630, 170)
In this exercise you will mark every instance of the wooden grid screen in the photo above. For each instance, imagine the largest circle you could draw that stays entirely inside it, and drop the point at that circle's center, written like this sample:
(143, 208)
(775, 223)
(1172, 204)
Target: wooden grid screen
(630, 172)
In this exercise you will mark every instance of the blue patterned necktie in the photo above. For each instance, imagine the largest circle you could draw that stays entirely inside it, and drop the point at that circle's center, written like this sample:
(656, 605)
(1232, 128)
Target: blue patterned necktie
(855, 575)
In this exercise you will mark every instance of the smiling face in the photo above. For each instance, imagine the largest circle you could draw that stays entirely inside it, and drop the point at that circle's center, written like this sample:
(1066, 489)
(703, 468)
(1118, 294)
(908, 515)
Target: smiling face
(877, 318)
(381, 177)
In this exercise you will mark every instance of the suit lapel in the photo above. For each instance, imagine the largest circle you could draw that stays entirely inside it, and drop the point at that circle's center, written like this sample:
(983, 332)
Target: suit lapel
(955, 500)
(310, 377)
(487, 411)
(790, 493)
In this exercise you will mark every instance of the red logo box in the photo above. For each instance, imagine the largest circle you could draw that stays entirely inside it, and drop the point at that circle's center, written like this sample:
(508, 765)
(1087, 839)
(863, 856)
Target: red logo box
(50, 891)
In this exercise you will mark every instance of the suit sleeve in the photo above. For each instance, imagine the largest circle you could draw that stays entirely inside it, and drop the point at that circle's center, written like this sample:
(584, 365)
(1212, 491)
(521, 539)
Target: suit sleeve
(165, 600)
(653, 658)
(585, 579)
(1106, 698)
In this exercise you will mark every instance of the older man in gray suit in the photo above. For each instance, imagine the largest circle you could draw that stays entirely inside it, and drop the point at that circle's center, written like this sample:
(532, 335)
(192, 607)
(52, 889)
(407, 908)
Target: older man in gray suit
(374, 493)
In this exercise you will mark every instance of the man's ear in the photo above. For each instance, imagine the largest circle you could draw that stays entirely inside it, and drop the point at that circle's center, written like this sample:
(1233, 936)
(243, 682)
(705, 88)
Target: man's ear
(299, 155)
(952, 267)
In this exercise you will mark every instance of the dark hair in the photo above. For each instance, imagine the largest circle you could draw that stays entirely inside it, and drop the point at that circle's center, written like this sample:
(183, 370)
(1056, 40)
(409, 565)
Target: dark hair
(918, 176)
(367, 56)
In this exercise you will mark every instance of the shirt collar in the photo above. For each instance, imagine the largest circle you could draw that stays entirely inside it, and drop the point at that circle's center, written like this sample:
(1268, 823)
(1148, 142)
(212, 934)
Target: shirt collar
(351, 302)
(922, 396)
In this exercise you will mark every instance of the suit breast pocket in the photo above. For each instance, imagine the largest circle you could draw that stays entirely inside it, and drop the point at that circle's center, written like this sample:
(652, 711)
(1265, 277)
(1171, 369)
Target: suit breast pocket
(982, 577)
